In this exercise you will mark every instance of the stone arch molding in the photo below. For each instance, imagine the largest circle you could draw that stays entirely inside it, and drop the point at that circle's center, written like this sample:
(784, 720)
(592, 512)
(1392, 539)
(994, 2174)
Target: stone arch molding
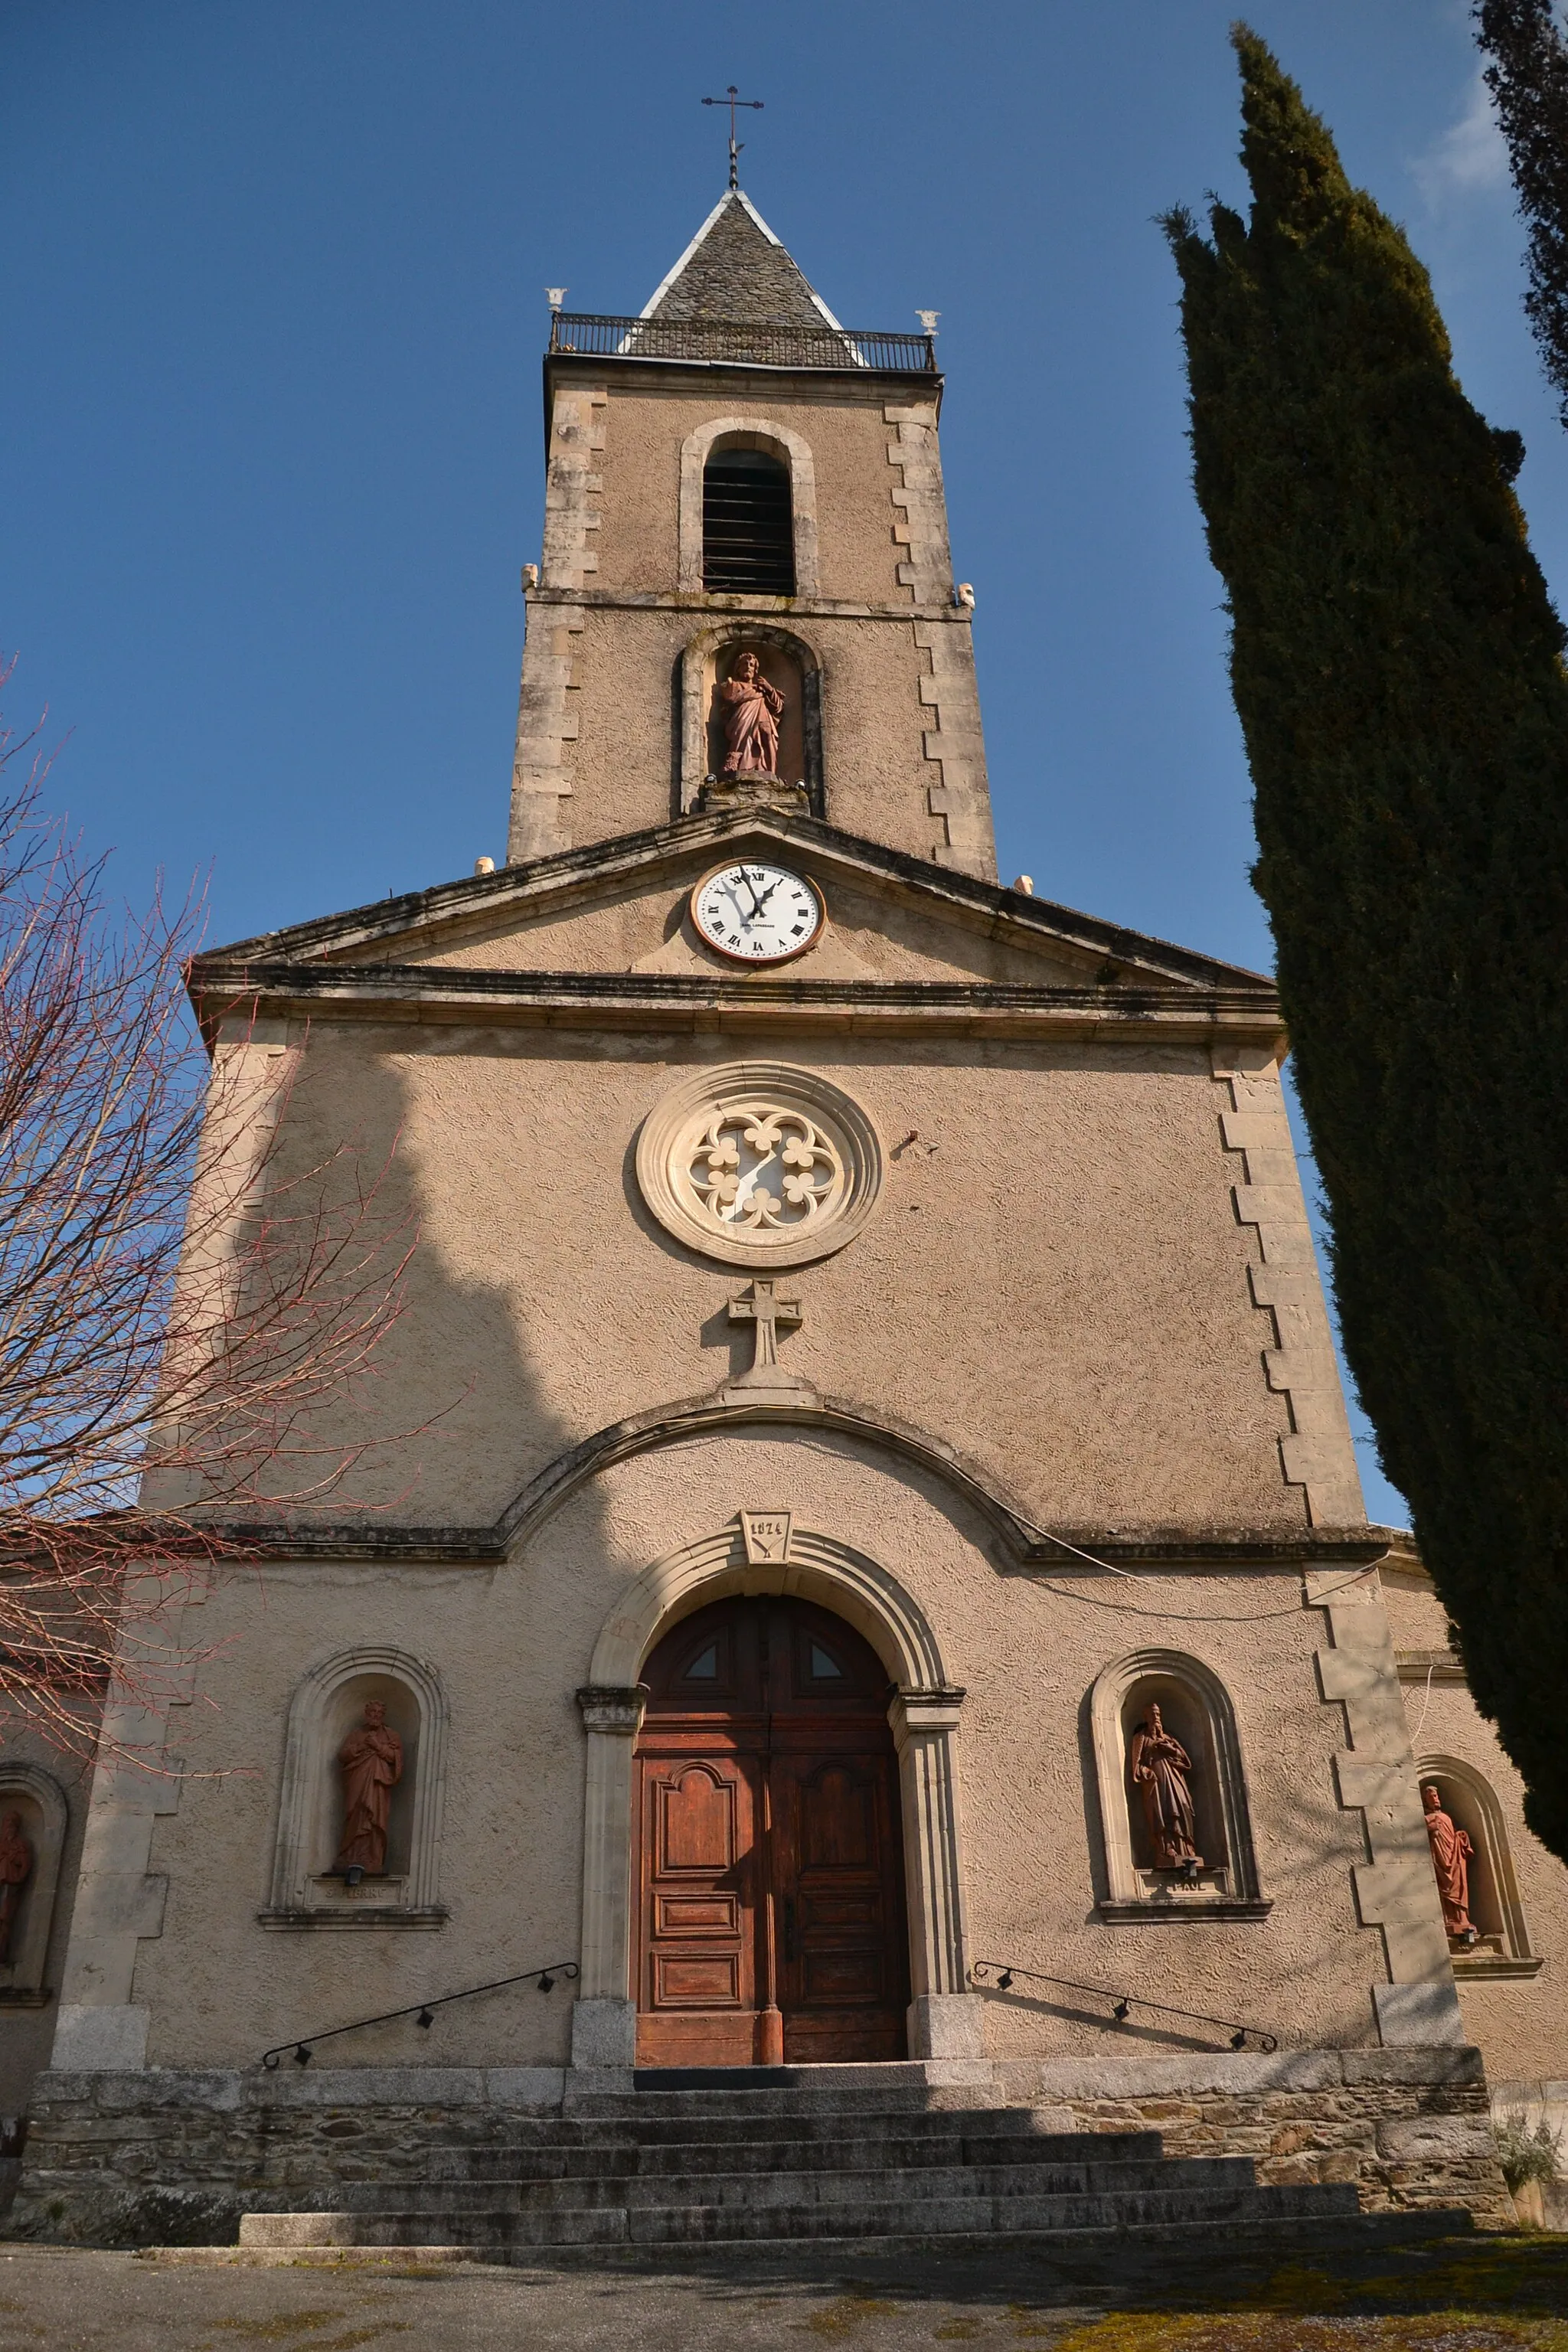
(924, 1715)
(34, 1793)
(409, 1896)
(706, 646)
(747, 432)
(1229, 1889)
(1484, 1820)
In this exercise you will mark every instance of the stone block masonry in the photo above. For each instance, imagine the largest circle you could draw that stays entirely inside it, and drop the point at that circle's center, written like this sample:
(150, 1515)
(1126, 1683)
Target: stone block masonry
(174, 2158)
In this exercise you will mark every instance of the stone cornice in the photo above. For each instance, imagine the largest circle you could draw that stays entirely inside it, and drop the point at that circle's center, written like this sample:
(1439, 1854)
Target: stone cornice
(694, 1004)
(1020, 1545)
(795, 608)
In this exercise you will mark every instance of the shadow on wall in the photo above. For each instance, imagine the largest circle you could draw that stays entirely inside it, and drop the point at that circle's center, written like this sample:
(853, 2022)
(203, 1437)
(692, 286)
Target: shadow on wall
(485, 1863)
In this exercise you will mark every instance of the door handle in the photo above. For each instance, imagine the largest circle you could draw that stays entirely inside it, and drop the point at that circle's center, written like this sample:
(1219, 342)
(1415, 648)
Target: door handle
(789, 1951)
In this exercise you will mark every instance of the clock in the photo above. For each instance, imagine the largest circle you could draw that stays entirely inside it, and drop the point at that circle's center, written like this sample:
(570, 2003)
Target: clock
(756, 913)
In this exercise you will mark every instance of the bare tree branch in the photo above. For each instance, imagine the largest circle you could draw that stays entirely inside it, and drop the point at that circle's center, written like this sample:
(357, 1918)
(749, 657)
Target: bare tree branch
(179, 1322)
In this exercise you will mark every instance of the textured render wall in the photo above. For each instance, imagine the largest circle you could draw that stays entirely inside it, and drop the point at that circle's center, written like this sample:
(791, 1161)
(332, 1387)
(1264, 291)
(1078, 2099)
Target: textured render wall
(631, 928)
(637, 536)
(1055, 1280)
(1521, 2024)
(623, 706)
(511, 1645)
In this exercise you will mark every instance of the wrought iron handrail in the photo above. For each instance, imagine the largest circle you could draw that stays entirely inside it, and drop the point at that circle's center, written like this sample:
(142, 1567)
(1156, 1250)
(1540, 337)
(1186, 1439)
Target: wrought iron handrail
(422, 2012)
(592, 335)
(1002, 1973)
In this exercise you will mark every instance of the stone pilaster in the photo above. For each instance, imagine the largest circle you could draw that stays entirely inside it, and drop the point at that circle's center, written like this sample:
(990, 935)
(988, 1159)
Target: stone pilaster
(604, 2019)
(944, 2014)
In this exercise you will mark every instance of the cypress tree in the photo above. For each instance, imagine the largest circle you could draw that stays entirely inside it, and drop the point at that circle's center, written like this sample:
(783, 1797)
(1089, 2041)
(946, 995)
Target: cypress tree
(1528, 77)
(1397, 669)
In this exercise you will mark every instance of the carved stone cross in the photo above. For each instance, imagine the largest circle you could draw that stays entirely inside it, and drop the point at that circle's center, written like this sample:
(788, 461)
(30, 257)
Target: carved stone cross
(771, 1315)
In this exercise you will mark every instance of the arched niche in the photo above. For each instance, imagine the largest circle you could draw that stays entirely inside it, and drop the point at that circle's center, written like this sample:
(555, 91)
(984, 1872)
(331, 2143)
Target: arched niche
(774, 440)
(327, 1706)
(43, 1818)
(1471, 1803)
(1195, 1710)
(788, 664)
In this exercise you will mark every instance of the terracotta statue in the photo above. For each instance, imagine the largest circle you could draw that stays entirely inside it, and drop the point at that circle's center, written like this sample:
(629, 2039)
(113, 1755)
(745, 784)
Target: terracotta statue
(1452, 1855)
(371, 1761)
(16, 1869)
(1161, 1774)
(751, 710)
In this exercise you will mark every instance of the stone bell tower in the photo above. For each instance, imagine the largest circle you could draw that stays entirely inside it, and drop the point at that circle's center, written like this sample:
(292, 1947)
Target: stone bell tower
(738, 484)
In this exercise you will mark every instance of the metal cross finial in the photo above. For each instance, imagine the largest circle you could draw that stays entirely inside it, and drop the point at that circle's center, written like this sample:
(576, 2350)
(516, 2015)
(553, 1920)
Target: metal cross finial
(732, 99)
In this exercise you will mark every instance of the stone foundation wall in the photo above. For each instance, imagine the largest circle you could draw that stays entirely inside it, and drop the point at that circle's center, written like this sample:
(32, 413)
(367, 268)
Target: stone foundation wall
(171, 2158)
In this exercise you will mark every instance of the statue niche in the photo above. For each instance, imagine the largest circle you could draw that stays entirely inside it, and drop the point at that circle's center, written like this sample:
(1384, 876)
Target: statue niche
(1176, 1814)
(370, 1763)
(1453, 1852)
(755, 736)
(17, 1859)
(1161, 1771)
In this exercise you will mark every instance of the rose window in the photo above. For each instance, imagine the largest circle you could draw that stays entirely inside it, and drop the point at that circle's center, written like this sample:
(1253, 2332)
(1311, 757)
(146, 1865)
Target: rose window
(760, 1164)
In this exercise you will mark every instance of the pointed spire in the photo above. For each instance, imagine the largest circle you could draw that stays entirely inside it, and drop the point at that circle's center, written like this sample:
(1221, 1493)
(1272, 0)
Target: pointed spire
(735, 268)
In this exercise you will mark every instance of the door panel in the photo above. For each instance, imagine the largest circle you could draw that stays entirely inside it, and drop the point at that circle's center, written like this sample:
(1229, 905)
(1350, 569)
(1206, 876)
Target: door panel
(770, 1867)
(696, 1949)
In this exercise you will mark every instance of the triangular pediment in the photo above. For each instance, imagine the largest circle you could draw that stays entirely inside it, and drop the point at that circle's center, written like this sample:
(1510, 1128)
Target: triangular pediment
(620, 908)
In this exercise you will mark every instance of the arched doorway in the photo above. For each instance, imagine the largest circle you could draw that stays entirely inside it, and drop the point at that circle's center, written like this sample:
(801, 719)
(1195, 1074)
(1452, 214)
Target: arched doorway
(768, 1865)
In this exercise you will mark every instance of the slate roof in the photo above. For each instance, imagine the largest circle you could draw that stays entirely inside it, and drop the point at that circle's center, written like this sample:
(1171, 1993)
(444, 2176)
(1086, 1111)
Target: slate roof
(735, 269)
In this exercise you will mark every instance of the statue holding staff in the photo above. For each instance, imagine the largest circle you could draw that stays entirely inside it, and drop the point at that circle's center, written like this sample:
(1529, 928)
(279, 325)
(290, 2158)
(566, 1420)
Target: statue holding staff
(1162, 1771)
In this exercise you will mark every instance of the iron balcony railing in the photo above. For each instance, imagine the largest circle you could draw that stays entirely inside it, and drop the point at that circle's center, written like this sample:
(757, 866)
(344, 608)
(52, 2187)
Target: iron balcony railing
(586, 334)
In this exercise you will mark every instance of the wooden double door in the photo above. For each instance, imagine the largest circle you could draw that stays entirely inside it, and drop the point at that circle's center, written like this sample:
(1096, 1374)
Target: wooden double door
(769, 1864)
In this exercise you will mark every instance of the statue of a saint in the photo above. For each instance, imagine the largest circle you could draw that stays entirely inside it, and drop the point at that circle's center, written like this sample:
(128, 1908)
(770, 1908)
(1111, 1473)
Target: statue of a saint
(1161, 1774)
(1452, 1855)
(751, 710)
(16, 1869)
(371, 1761)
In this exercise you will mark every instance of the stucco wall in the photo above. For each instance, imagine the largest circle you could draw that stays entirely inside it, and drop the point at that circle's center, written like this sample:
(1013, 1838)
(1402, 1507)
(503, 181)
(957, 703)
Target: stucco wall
(1054, 1281)
(510, 1644)
(848, 434)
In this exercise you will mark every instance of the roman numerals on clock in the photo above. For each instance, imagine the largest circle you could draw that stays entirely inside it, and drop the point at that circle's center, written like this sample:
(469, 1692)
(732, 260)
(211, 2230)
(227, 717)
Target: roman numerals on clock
(753, 912)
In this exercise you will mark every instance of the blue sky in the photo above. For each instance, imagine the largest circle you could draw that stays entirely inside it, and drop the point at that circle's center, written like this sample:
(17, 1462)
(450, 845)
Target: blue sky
(273, 309)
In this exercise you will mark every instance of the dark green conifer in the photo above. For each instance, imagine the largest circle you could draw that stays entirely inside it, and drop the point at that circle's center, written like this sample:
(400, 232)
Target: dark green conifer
(1397, 669)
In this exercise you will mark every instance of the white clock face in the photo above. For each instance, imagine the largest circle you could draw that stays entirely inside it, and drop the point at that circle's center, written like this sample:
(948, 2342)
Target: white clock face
(756, 913)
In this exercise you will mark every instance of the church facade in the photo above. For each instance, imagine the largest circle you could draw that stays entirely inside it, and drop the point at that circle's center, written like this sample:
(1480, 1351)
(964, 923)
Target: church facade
(885, 1581)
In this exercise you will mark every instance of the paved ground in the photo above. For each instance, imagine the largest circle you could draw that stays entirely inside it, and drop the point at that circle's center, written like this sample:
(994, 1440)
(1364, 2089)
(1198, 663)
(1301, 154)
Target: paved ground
(1487, 2294)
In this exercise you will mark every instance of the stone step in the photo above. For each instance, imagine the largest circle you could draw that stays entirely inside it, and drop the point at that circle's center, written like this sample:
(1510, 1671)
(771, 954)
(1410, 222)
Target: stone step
(758, 2191)
(826, 2099)
(627, 2158)
(501, 2229)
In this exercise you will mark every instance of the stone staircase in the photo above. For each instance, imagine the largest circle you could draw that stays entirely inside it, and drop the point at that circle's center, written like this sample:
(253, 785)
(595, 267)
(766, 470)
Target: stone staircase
(665, 2172)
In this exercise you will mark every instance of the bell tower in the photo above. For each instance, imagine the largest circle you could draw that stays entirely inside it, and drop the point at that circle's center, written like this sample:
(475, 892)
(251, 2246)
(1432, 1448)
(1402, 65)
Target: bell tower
(746, 593)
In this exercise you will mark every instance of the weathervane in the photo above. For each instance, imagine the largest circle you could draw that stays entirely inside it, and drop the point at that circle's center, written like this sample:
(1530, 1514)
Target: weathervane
(732, 99)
